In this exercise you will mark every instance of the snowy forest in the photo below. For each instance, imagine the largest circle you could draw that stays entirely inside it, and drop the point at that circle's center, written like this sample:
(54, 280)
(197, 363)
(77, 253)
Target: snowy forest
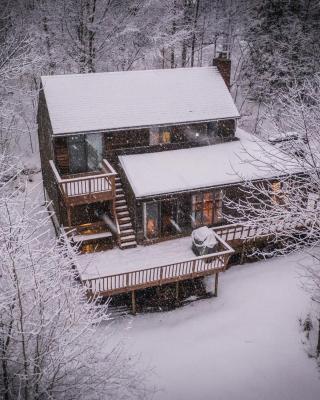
(57, 344)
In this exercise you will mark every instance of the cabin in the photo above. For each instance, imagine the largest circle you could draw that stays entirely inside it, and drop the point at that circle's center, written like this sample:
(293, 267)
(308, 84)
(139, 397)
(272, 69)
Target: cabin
(141, 157)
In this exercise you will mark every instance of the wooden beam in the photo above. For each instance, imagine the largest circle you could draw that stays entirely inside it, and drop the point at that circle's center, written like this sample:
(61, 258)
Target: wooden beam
(216, 281)
(133, 302)
(69, 216)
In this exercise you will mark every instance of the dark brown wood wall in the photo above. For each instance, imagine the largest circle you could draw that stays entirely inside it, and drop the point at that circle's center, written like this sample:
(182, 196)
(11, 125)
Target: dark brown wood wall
(61, 155)
(46, 154)
(125, 139)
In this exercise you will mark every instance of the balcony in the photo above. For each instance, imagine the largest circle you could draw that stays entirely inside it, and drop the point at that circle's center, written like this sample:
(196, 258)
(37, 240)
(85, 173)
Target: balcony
(88, 187)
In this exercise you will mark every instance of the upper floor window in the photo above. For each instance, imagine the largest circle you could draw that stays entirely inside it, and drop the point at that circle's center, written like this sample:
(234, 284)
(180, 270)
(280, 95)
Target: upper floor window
(206, 208)
(160, 135)
(85, 152)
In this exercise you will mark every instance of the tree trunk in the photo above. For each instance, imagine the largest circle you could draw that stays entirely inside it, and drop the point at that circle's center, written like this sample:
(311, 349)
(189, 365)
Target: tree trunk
(193, 43)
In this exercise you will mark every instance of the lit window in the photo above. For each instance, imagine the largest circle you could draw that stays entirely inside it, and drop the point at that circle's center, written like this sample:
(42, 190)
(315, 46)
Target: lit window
(151, 220)
(276, 192)
(166, 137)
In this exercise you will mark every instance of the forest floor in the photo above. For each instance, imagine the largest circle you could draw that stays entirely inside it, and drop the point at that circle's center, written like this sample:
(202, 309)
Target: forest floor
(246, 344)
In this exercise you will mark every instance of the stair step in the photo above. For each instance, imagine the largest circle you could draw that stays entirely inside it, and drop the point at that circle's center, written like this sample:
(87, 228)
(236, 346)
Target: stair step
(129, 238)
(127, 232)
(121, 207)
(128, 245)
(123, 219)
(124, 226)
(123, 213)
(120, 201)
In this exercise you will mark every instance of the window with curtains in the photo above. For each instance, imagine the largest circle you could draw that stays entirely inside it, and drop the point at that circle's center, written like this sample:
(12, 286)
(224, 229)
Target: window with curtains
(206, 208)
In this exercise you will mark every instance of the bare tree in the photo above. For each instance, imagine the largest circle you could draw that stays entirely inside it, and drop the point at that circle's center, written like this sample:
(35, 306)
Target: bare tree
(53, 340)
(290, 203)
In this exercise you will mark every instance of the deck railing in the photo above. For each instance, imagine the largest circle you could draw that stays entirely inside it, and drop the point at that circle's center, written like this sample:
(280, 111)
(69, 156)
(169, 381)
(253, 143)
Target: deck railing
(88, 185)
(162, 274)
(241, 232)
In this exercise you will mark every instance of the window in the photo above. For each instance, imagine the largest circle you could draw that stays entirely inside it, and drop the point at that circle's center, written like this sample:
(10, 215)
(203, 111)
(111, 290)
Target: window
(206, 208)
(77, 154)
(213, 129)
(276, 192)
(94, 144)
(151, 220)
(165, 136)
(85, 152)
(159, 135)
(169, 220)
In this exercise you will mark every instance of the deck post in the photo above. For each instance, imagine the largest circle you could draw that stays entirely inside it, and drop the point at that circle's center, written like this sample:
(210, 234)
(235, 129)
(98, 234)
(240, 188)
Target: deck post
(133, 302)
(177, 291)
(242, 254)
(216, 280)
(69, 216)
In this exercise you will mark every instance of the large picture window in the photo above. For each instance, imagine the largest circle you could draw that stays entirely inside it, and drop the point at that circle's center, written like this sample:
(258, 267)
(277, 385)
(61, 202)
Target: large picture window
(85, 152)
(206, 208)
(151, 220)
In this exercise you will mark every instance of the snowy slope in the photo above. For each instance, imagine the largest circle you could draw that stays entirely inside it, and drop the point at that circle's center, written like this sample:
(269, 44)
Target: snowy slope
(243, 345)
(114, 100)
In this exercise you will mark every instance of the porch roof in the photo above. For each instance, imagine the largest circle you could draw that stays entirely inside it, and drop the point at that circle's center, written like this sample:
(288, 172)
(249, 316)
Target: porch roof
(173, 171)
(105, 101)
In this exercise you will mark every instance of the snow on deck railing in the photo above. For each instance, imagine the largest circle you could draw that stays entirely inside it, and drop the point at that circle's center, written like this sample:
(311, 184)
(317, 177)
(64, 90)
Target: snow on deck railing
(86, 185)
(185, 269)
(246, 232)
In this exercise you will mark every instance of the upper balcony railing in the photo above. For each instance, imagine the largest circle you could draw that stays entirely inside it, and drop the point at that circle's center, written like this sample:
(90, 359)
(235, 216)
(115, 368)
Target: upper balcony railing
(86, 187)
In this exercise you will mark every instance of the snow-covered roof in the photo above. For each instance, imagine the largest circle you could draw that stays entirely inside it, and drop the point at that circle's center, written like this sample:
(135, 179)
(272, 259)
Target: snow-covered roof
(208, 166)
(119, 100)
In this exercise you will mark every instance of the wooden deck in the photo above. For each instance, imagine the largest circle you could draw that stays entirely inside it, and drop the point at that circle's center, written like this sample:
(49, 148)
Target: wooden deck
(86, 187)
(163, 274)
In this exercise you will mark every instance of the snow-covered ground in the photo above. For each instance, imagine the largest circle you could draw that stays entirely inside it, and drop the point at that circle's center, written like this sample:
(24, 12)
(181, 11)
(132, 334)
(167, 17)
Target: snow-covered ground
(245, 344)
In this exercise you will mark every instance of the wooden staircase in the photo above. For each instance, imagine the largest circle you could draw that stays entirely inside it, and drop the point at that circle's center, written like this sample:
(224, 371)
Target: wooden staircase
(127, 238)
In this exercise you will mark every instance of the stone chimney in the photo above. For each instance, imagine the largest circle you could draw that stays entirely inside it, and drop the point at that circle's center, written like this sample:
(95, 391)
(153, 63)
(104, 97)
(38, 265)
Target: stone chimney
(223, 63)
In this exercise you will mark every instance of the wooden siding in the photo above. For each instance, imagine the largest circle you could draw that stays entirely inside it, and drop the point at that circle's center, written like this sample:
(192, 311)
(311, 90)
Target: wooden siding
(115, 141)
(46, 154)
(61, 153)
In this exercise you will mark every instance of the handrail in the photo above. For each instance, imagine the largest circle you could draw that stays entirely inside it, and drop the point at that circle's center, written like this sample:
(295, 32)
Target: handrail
(109, 166)
(79, 178)
(55, 171)
(117, 224)
(84, 178)
(84, 185)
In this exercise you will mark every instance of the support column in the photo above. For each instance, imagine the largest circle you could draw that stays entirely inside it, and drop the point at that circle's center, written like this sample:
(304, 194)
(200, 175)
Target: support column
(133, 302)
(177, 291)
(216, 280)
(69, 216)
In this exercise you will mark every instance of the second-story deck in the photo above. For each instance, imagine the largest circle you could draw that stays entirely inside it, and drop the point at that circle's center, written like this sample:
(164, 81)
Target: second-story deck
(88, 187)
